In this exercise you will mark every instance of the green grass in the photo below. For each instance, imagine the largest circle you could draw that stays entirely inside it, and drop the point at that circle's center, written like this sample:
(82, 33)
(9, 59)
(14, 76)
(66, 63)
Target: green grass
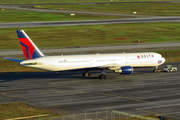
(15, 110)
(92, 35)
(7, 66)
(170, 55)
(7, 16)
(172, 9)
(67, 1)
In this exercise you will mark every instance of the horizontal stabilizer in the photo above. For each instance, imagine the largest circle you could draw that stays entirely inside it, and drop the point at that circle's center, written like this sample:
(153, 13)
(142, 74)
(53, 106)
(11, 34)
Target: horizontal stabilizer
(12, 59)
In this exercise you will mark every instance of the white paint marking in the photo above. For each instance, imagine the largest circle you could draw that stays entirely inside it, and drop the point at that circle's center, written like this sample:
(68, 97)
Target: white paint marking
(157, 107)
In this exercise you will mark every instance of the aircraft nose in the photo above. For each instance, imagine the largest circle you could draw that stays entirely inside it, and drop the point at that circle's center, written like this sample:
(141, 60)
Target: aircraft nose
(163, 60)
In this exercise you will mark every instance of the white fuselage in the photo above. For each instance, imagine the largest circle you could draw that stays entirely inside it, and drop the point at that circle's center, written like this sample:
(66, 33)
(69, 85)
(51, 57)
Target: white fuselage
(70, 62)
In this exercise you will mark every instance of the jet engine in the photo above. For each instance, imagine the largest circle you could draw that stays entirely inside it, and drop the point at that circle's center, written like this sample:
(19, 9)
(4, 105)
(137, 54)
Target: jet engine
(124, 70)
(127, 70)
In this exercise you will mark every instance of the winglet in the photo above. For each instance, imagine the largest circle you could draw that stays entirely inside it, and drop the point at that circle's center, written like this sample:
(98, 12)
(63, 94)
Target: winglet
(30, 50)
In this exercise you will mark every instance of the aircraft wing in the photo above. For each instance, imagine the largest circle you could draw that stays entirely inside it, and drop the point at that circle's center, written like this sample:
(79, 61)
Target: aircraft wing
(113, 66)
(108, 66)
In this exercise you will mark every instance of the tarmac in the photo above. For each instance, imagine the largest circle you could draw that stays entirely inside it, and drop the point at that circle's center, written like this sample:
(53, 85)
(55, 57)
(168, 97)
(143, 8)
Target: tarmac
(142, 93)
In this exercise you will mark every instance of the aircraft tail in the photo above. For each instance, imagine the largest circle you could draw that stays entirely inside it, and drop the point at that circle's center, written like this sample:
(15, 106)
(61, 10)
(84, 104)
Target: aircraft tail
(30, 50)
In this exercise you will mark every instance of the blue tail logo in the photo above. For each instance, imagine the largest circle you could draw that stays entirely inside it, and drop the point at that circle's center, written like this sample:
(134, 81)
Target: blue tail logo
(30, 50)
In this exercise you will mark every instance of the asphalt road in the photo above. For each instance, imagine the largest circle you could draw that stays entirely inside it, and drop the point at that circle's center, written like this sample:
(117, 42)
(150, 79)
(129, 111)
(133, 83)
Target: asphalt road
(142, 92)
(91, 3)
(89, 22)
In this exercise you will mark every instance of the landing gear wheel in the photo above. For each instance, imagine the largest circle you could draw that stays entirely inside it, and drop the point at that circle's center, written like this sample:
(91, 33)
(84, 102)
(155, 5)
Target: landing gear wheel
(89, 74)
(105, 77)
(86, 74)
(83, 74)
(102, 76)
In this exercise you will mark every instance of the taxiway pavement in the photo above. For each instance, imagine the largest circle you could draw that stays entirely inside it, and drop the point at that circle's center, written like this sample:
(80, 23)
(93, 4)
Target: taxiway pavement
(142, 92)
(89, 22)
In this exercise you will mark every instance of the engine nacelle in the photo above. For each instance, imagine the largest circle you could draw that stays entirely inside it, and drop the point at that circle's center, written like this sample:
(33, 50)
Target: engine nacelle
(118, 71)
(127, 70)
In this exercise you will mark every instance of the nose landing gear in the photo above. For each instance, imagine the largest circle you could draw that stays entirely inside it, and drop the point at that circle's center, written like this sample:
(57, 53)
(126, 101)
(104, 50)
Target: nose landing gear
(155, 69)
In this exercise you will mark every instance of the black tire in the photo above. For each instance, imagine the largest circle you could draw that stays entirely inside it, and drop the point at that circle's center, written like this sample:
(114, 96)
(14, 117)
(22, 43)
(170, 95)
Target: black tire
(86, 74)
(100, 76)
(154, 71)
(105, 76)
(89, 74)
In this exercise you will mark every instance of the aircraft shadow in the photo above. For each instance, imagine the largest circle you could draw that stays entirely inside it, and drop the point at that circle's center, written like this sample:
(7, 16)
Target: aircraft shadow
(8, 77)
(14, 76)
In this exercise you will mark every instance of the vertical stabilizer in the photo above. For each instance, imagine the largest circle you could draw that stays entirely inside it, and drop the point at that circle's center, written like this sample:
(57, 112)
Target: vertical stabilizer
(30, 50)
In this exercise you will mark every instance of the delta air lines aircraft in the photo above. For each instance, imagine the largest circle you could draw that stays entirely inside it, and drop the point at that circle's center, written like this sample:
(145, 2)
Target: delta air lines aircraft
(122, 63)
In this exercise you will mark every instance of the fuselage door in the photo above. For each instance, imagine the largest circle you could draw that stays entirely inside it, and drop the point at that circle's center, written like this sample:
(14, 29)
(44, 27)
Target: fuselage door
(53, 63)
(126, 60)
(92, 62)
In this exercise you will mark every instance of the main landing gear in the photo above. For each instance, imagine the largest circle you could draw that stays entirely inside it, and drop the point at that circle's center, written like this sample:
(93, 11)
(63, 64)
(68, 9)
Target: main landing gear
(86, 74)
(103, 74)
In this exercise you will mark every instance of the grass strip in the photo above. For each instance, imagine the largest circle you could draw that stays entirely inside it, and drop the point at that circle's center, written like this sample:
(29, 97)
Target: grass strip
(16, 110)
(92, 35)
(170, 9)
(170, 55)
(67, 1)
(7, 66)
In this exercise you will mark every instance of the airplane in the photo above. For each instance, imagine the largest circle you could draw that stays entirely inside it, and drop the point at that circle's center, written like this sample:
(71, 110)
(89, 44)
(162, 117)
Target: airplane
(122, 63)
